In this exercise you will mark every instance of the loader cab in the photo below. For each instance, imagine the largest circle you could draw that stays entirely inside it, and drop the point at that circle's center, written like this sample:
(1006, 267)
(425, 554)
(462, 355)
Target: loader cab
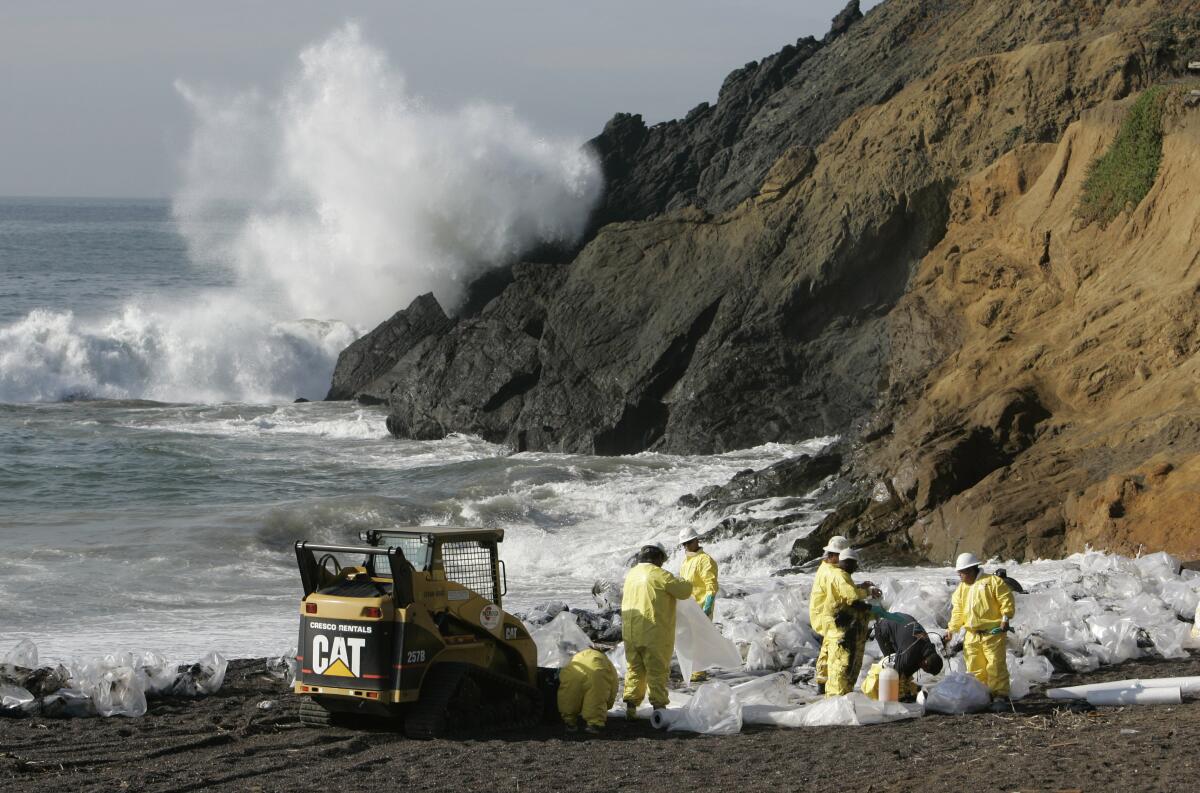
(465, 556)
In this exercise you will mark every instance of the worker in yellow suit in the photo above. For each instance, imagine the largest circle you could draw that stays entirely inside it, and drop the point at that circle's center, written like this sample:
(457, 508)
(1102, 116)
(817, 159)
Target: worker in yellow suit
(983, 605)
(587, 687)
(700, 571)
(816, 604)
(648, 627)
(845, 616)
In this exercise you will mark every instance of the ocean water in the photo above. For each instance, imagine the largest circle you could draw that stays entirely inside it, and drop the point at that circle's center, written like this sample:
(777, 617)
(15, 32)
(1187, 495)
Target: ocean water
(155, 472)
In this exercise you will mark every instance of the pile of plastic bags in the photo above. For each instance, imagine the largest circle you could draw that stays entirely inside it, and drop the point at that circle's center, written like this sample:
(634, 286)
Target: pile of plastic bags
(1080, 613)
(109, 685)
(559, 639)
(1083, 612)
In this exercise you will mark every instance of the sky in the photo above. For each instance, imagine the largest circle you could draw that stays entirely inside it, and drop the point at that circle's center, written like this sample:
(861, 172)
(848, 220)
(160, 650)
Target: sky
(89, 107)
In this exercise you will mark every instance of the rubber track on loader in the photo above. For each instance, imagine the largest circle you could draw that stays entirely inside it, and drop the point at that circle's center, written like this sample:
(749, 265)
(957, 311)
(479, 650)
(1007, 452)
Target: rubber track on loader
(312, 714)
(431, 716)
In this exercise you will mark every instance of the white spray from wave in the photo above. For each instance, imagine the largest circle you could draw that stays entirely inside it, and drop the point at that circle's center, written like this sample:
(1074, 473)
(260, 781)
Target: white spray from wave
(344, 197)
(360, 197)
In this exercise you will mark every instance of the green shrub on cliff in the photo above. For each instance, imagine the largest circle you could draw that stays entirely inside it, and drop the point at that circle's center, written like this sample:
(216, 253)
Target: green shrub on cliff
(1125, 173)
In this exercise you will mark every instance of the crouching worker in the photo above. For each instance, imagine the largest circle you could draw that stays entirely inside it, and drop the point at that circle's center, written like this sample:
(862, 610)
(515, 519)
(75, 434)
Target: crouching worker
(587, 687)
(983, 605)
(901, 636)
(648, 627)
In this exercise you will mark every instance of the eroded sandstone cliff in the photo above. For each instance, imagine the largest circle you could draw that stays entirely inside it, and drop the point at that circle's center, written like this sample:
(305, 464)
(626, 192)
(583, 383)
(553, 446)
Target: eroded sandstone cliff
(872, 235)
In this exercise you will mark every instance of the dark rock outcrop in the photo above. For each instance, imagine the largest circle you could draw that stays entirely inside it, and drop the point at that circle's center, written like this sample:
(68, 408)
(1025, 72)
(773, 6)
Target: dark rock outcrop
(362, 368)
(796, 476)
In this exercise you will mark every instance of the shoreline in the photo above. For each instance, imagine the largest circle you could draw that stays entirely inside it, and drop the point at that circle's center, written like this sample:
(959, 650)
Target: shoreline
(226, 742)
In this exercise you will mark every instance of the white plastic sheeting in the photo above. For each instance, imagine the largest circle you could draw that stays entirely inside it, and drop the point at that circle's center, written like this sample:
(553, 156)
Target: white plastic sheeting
(698, 643)
(851, 710)
(713, 710)
(957, 693)
(774, 689)
(558, 640)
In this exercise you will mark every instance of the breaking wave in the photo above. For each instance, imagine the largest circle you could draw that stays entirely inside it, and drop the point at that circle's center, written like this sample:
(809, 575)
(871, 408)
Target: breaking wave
(356, 195)
(214, 349)
(345, 196)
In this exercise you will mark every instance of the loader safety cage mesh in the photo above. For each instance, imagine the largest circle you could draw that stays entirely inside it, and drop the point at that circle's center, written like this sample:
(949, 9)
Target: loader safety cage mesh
(470, 563)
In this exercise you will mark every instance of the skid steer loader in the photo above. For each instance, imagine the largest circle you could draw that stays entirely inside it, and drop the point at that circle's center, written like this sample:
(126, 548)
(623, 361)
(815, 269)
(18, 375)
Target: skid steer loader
(410, 626)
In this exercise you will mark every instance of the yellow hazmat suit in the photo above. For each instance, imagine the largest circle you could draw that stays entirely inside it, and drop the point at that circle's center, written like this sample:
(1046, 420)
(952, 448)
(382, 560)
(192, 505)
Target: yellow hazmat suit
(700, 570)
(835, 593)
(587, 687)
(816, 610)
(980, 608)
(648, 628)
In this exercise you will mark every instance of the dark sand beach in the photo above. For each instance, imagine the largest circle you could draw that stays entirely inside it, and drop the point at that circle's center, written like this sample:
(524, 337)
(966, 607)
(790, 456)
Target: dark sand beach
(227, 743)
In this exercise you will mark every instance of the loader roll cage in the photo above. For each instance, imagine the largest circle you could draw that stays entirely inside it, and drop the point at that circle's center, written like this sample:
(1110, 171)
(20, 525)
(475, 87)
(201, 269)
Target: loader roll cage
(468, 557)
(315, 573)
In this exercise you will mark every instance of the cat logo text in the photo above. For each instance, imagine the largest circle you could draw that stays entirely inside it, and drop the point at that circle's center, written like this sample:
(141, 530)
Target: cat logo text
(337, 655)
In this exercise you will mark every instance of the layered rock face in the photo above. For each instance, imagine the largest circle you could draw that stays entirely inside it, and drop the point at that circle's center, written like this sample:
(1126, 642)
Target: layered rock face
(871, 235)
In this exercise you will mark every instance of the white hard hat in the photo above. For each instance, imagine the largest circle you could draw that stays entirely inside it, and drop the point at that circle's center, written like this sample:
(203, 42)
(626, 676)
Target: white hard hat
(849, 553)
(687, 535)
(837, 544)
(966, 561)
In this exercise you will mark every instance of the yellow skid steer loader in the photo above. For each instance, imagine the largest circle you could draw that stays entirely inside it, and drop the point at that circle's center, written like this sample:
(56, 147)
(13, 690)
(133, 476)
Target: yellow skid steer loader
(410, 626)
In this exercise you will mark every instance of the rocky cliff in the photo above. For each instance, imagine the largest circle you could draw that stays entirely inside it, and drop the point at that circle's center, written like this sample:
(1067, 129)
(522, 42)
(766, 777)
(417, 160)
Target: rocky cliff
(873, 235)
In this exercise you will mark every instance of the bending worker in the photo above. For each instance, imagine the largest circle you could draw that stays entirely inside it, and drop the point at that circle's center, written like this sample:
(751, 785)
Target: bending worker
(983, 605)
(700, 571)
(901, 636)
(844, 617)
(816, 604)
(648, 627)
(587, 687)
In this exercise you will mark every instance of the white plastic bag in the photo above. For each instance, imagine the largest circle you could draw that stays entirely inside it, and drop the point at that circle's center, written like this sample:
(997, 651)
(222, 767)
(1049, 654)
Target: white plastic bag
(203, 677)
(558, 640)
(12, 697)
(713, 710)
(68, 703)
(1026, 672)
(25, 655)
(698, 643)
(284, 667)
(1117, 636)
(958, 693)
(112, 683)
(159, 674)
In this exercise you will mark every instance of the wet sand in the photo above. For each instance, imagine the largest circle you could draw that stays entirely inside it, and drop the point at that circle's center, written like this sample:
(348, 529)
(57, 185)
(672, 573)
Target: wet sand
(227, 743)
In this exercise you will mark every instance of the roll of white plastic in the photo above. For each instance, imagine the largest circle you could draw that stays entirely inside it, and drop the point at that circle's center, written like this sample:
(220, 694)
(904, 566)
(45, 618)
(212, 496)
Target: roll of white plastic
(662, 718)
(1186, 685)
(1135, 696)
